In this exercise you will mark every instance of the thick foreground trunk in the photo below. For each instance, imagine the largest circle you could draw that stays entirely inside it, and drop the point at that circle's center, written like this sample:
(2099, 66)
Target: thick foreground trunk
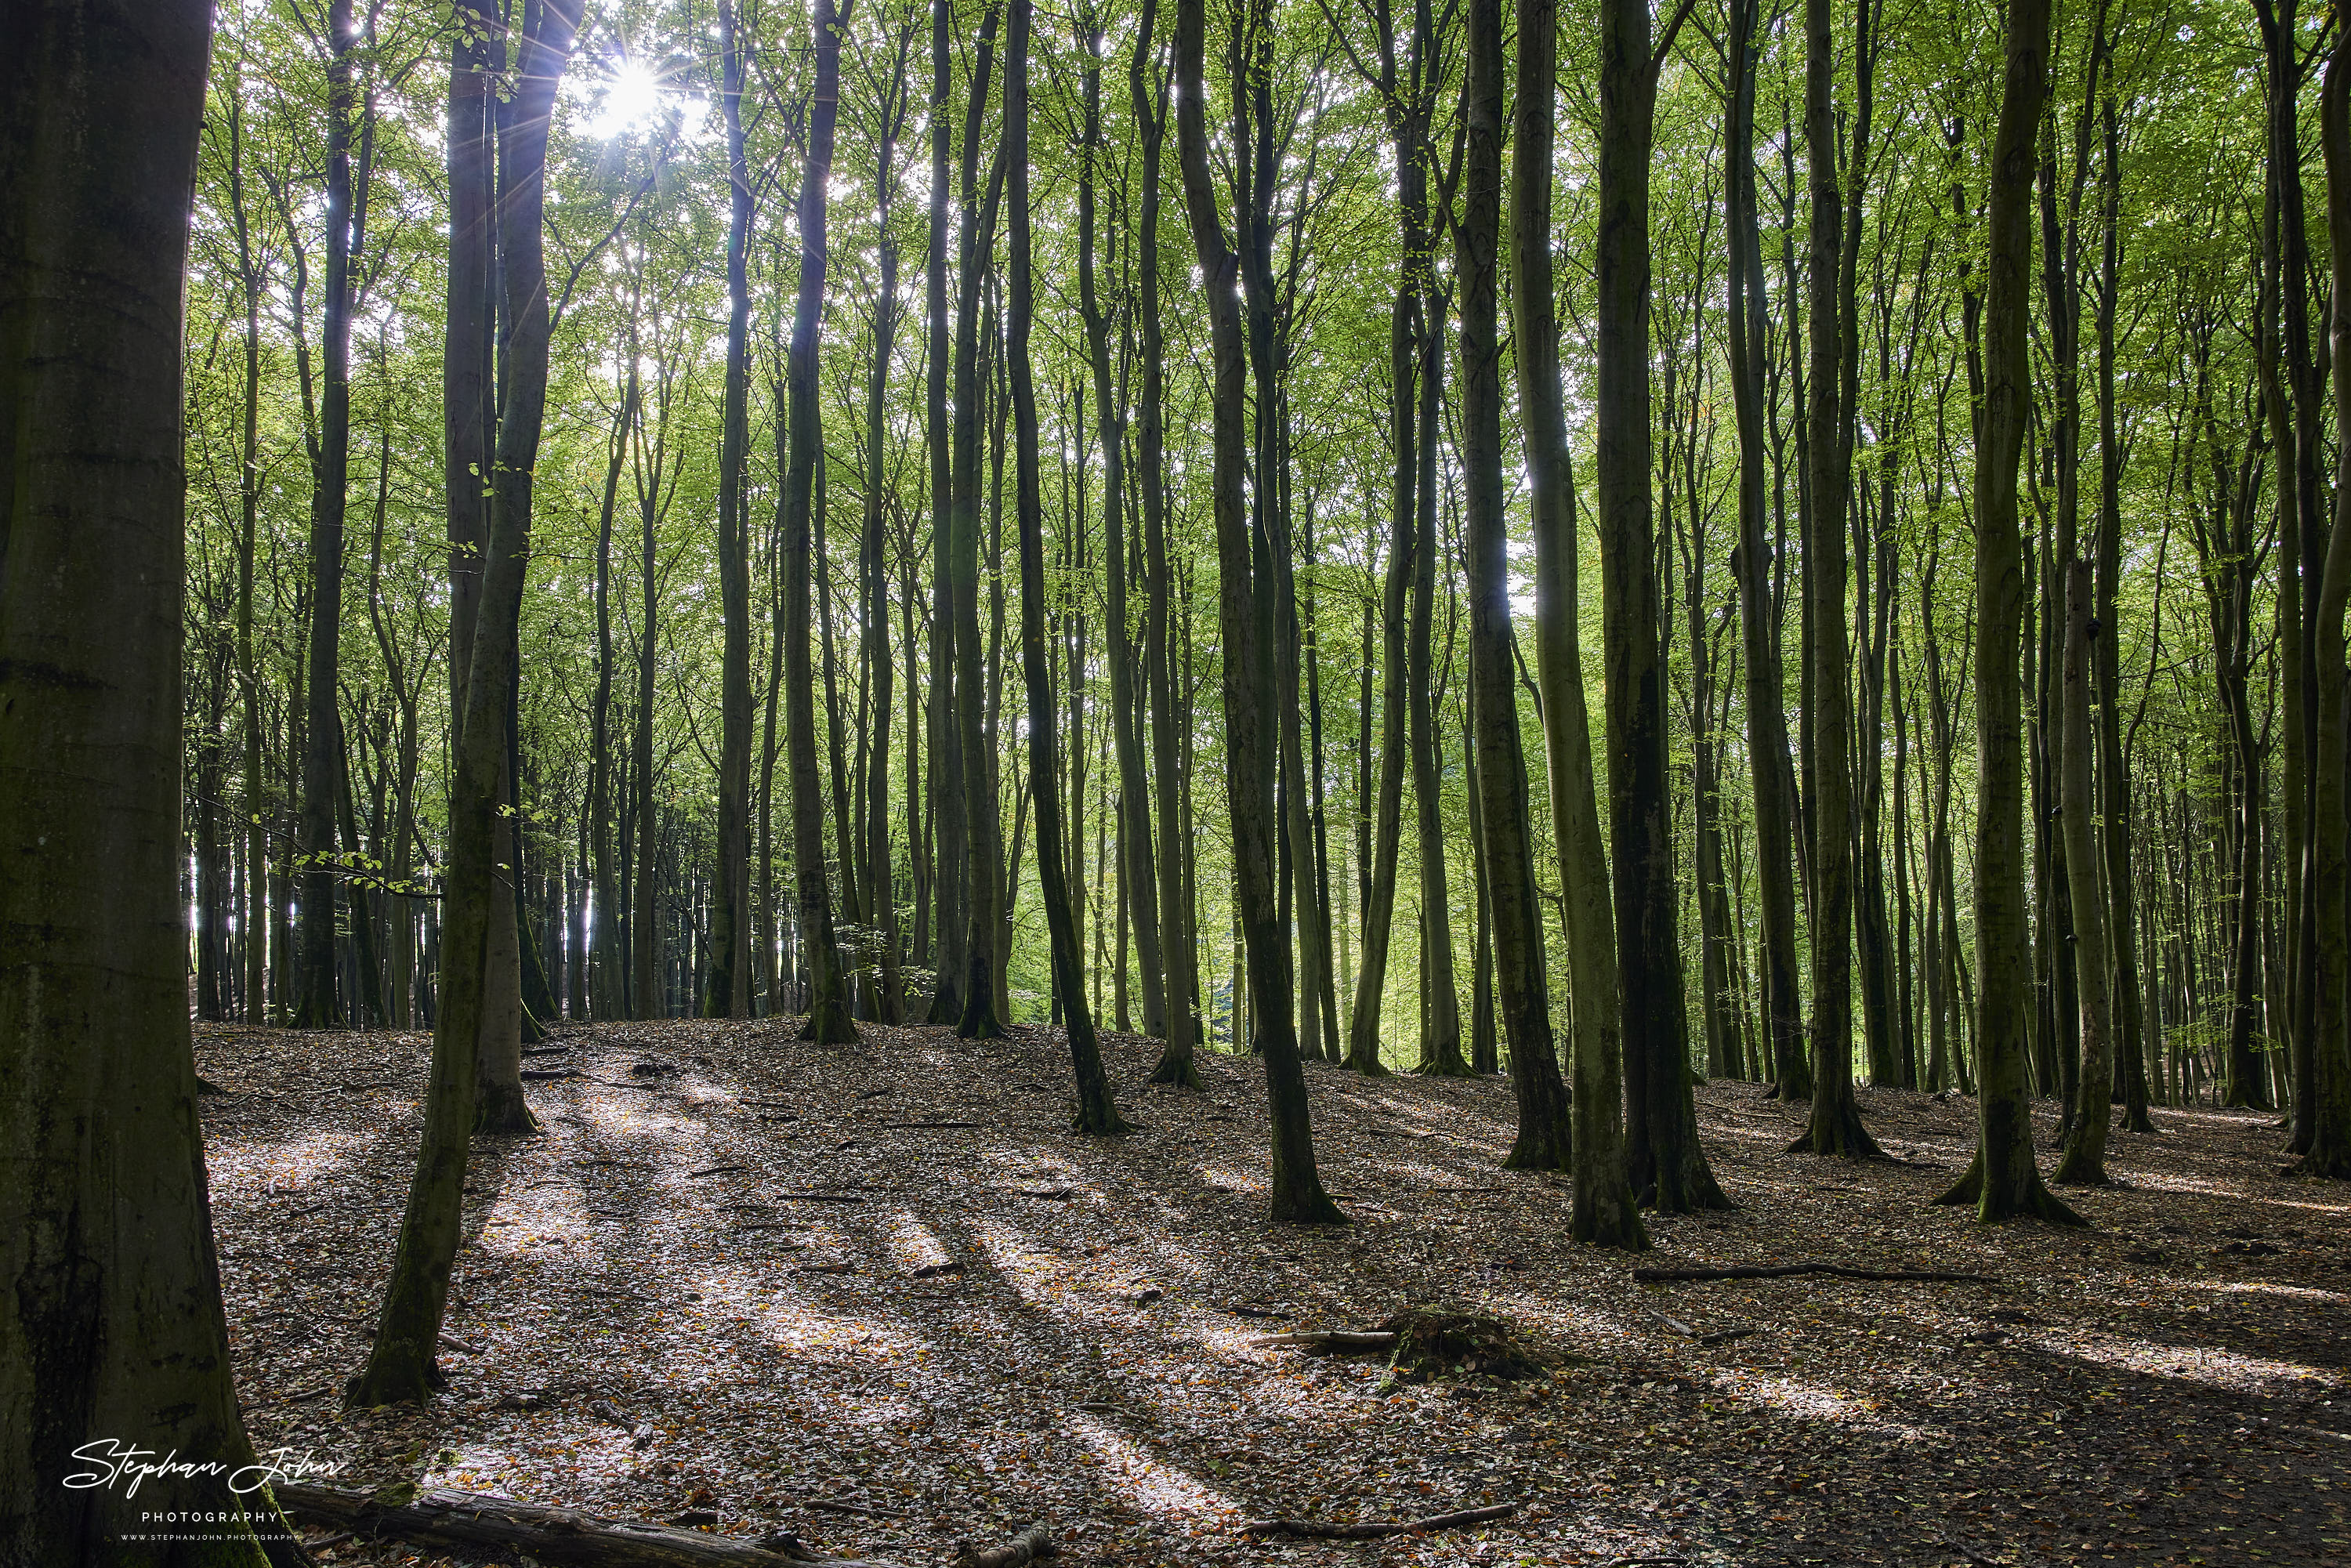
(110, 1318)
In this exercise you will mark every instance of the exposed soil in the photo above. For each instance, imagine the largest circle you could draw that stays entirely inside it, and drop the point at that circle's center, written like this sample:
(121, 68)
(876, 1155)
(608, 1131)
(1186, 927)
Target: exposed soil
(738, 1276)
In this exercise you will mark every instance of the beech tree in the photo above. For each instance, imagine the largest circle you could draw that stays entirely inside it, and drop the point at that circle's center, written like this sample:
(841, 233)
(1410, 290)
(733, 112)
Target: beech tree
(114, 1321)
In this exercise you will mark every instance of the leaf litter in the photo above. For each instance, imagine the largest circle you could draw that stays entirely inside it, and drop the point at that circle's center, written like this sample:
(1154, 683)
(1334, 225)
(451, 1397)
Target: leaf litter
(860, 1323)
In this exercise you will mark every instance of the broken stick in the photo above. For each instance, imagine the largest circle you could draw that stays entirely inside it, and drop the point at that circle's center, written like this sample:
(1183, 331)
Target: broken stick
(1785, 1270)
(1460, 1519)
(1329, 1339)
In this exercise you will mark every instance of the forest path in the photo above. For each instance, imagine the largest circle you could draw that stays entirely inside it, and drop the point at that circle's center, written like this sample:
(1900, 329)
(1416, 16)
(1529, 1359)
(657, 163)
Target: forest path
(731, 1278)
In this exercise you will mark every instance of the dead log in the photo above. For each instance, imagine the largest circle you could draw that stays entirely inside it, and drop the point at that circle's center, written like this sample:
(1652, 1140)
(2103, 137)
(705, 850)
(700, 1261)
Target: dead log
(1031, 1545)
(1315, 1528)
(435, 1516)
(1787, 1270)
(1329, 1339)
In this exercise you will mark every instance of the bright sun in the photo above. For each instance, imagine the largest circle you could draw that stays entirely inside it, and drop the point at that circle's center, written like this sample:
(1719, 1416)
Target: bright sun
(627, 100)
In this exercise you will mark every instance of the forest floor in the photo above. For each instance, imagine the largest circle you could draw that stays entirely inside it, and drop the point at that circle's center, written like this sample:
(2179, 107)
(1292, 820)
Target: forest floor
(988, 1321)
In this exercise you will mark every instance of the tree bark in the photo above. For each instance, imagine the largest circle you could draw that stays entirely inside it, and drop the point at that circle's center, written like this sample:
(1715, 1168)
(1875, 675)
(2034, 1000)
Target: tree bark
(2329, 1154)
(1604, 1212)
(1134, 847)
(828, 1010)
(2085, 1149)
(1095, 1113)
(946, 773)
(111, 1320)
(1836, 1125)
(315, 1002)
(1543, 1142)
(1295, 1190)
(729, 976)
(983, 876)
(2004, 1181)
(1178, 941)
(1664, 1149)
(402, 1365)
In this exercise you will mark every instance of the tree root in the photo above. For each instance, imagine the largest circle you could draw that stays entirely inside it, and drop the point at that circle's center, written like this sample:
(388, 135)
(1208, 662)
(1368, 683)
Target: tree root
(1174, 1071)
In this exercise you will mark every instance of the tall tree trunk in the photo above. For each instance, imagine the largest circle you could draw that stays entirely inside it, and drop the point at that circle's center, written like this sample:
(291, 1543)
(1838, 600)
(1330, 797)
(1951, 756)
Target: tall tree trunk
(828, 1009)
(882, 908)
(112, 1321)
(315, 1003)
(1177, 938)
(2114, 776)
(1136, 858)
(2329, 1154)
(253, 923)
(1295, 1191)
(646, 943)
(2086, 1150)
(1542, 1140)
(1440, 1040)
(1663, 1148)
(949, 807)
(2294, 394)
(516, 417)
(729, 995)
(402, 1365)
(1604, 1212)
(983, 876)
(1095, 1114)
(1387, 815)
(1835, 1126)
(606, 983)
(2003, 1180)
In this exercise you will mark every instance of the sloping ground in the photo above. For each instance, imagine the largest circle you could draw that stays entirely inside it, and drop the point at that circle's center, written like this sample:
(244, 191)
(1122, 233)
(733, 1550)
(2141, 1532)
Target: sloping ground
(737, 1275)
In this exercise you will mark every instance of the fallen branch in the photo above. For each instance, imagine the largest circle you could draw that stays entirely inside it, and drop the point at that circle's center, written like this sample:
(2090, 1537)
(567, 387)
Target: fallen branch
(1718, 1337)
(1786, 1271)
(435, 1516)
(1031, 1545)
(1317, 1528)
(924, 1126)
(717, 1170)
(1329, 1339)
(821, 1196)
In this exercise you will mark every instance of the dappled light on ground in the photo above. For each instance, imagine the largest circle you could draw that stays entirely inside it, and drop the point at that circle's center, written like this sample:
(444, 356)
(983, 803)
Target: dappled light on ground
(779, 1282)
